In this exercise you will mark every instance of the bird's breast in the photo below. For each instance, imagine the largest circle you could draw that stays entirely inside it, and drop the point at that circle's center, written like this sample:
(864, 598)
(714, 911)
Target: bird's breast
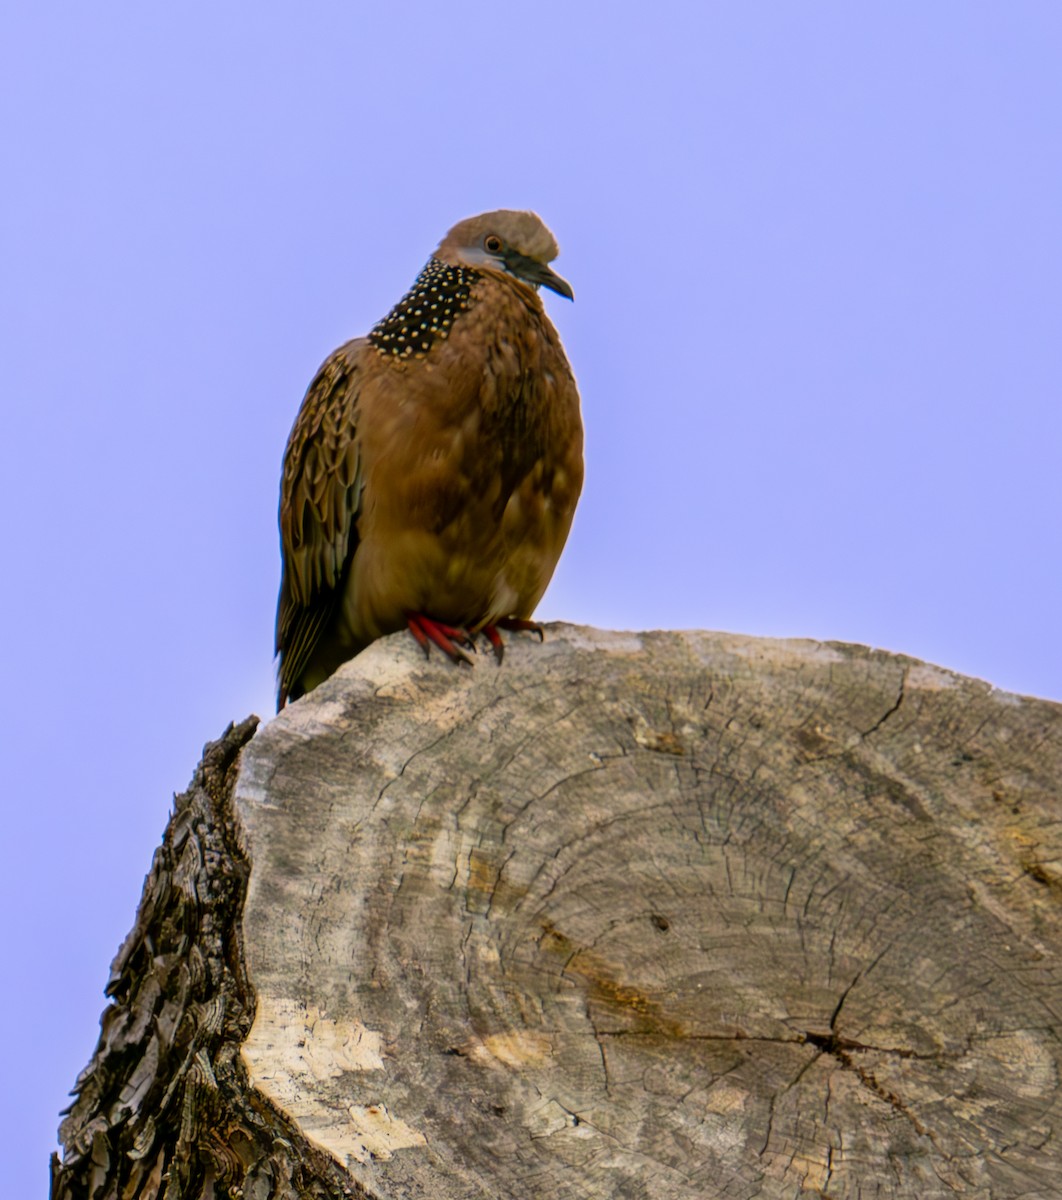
(472, 461)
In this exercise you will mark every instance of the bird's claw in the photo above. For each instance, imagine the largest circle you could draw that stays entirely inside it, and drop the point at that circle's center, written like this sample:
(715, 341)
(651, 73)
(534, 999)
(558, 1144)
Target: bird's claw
(452, 640)
(517, 625)
(455, 641)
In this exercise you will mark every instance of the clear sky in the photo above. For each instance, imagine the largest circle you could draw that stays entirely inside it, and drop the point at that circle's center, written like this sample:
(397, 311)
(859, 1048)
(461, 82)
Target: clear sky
(817, 263)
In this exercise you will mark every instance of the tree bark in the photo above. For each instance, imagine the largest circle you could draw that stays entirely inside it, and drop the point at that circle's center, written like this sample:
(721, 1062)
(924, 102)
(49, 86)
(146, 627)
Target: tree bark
(662, 915)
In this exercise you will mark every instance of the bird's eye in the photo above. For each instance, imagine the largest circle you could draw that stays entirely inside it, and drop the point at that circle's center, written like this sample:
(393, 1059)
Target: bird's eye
(492, 243)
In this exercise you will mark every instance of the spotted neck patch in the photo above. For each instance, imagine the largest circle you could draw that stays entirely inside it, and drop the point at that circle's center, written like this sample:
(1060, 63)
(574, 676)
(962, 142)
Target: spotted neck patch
(426, 313)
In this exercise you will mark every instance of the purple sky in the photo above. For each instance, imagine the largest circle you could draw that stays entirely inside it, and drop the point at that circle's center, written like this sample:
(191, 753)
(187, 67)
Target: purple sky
(817, 261)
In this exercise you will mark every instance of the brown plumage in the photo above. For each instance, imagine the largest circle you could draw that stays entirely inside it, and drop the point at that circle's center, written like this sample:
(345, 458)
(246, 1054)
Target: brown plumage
(432, 473)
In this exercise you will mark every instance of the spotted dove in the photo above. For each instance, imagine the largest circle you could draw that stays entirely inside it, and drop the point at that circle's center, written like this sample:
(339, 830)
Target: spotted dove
(433, 470)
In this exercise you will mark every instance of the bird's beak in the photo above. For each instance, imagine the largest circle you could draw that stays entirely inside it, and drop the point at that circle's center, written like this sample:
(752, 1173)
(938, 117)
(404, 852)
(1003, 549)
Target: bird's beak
(530, 270)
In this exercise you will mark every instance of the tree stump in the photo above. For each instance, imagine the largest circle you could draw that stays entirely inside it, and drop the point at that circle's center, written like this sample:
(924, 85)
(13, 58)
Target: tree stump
(667, 915)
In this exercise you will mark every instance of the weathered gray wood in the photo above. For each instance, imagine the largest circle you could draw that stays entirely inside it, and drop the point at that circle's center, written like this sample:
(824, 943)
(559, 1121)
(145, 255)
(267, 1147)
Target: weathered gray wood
(669, 915)
(662, 915)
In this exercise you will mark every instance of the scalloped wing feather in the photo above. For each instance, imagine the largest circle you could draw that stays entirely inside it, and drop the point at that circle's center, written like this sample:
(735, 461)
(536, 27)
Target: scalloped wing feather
(320, 498)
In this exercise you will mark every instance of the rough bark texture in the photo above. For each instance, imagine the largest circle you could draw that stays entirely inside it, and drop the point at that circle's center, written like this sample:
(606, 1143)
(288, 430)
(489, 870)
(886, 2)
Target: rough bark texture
(164, 1107)
(662, 916)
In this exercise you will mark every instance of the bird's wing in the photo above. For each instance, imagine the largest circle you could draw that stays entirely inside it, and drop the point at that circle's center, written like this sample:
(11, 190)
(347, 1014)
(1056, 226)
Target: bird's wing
(320, 496)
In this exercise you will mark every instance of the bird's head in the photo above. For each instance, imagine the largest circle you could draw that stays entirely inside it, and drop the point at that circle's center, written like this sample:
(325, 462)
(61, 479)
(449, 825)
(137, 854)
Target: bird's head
(514, 243)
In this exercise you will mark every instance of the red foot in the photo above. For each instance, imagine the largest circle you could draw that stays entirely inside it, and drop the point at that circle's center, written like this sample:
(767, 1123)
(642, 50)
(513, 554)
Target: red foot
(449, 638)
(517, 624)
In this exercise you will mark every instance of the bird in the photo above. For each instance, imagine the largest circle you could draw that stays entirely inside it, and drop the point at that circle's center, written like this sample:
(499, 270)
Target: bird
(432, 472)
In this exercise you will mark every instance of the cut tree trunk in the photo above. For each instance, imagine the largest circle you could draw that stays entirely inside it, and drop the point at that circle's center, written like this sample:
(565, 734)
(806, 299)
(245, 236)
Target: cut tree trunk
(667, 915)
